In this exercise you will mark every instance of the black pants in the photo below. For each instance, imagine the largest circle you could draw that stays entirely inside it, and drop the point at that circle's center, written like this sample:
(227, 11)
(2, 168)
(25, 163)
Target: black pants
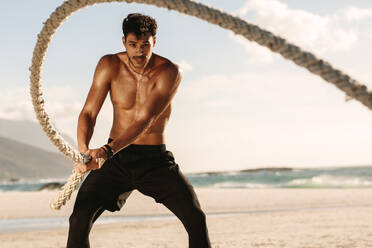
(150, 169)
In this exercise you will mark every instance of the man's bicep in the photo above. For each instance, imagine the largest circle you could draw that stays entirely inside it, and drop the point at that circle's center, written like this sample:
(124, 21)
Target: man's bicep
(95, 99)
(100, 87)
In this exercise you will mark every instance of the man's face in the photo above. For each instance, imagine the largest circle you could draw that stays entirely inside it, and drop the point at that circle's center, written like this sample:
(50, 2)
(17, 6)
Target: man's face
(139, 49)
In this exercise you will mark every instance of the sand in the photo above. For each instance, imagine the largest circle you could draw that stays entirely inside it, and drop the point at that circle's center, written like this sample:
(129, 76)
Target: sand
(310, 218)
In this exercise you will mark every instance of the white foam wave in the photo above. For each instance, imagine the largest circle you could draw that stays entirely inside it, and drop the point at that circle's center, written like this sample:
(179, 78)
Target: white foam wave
(230, 185)
(331, 181)
(208, 174)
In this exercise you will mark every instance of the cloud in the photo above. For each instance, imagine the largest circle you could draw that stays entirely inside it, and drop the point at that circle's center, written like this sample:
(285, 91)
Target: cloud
(63, 102)
(184, 66)
(258, 94)
(15, 104)
(321, 34)
(63, 105)
(276, 95)
(276, 118)
(354, 14)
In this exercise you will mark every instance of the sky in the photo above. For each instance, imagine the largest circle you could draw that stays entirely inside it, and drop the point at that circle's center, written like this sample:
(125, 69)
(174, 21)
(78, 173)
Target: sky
(238, 106)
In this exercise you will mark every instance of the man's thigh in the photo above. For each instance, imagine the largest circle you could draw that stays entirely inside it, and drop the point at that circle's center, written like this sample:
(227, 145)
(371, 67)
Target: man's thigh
(164, 182)
(104, 186)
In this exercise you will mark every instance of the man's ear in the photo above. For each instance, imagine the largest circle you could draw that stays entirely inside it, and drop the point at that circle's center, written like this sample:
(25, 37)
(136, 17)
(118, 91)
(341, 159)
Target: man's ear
(123, 40)
(154, 39)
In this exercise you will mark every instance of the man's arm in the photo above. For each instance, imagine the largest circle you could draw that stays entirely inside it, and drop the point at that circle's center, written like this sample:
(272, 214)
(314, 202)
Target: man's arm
(158, 100)
(96, 97)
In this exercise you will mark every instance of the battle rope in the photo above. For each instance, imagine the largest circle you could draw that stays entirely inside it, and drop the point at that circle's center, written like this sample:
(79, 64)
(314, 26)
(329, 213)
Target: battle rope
(351, 87)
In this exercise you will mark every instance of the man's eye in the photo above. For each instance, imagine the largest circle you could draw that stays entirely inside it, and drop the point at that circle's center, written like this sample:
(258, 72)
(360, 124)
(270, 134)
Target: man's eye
(132, 45)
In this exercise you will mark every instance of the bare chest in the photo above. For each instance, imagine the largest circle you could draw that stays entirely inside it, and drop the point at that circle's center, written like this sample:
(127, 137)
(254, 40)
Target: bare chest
(129, 91)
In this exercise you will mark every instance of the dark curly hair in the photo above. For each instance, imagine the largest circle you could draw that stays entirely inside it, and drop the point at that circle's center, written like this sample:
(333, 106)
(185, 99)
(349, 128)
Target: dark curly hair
(139, 24)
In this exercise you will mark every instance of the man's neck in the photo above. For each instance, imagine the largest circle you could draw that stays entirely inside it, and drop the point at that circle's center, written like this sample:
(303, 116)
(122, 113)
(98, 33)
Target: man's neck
(141, 71)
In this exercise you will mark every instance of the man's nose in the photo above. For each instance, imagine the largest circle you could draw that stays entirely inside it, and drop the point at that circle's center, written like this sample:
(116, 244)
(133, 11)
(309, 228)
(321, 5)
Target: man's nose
(139, 51)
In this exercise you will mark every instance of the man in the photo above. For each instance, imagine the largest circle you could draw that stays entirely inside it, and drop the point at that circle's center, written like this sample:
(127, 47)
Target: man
(141, 86)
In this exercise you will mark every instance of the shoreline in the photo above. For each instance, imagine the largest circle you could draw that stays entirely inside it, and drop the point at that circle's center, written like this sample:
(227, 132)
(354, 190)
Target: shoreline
(54, 223)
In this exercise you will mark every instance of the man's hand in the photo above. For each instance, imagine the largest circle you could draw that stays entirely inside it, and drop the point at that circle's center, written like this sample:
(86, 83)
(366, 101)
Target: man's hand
(98, 158)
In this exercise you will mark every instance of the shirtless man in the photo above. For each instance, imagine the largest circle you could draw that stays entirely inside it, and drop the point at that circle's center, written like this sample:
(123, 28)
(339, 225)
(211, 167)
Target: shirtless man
(141, 86)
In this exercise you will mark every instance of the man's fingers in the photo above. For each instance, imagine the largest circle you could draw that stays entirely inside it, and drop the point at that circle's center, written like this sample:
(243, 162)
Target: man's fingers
(95, 161)
(81, 168)
(100, 162)
(87, 158)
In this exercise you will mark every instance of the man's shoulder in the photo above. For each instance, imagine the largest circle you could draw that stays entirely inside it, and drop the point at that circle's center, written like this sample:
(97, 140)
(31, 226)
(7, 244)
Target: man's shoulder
(109, 64)
(166, 65)
(167, 72)
(110, 60)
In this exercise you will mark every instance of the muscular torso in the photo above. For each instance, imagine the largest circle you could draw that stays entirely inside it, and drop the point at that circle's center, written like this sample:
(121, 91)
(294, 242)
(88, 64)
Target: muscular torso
(128, 92)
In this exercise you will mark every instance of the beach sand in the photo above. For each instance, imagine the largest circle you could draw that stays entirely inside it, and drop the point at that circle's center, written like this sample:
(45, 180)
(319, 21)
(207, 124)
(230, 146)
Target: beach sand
(308, 218)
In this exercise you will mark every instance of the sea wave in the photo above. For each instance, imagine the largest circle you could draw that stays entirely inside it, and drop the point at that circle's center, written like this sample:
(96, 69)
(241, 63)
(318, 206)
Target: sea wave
(28, 184)
(342, 177)
(237, 185)
(329, 181)
(33, 180)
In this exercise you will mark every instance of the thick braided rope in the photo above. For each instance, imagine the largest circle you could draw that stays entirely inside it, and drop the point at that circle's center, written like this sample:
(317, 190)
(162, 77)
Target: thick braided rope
(351, 87)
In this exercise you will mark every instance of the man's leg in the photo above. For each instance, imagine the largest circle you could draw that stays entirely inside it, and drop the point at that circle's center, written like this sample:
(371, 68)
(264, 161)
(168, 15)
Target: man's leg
(99, 192)
(86, 211)
(168, 185)
(191, 215)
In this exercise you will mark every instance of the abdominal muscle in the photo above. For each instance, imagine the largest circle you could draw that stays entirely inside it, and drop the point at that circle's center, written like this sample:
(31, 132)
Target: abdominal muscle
(153, 135)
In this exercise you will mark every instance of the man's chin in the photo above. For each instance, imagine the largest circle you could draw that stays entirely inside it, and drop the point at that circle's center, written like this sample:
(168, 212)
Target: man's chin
(139, 64)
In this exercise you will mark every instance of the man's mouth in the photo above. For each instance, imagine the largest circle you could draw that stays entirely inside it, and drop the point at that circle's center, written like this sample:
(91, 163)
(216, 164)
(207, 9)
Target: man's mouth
(139, 58)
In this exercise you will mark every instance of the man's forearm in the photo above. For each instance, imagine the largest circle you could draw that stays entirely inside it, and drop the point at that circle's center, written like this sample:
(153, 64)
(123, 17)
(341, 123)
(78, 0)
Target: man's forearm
(129, 135)
(84, 131)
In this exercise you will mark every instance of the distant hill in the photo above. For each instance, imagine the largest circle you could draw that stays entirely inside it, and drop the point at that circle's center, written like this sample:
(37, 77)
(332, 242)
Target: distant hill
(28, 132)
(18, 160)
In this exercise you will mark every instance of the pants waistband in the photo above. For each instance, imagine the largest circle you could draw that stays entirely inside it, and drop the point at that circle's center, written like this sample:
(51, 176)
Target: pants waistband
(143, 148)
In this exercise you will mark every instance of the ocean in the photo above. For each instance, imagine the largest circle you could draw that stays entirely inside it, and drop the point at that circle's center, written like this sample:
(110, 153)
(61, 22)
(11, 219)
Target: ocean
(336, 177)
(331, 177)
